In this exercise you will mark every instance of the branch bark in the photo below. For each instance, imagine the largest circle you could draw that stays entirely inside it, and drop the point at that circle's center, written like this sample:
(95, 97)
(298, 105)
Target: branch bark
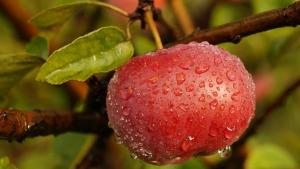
(18, 125)
(234, 32)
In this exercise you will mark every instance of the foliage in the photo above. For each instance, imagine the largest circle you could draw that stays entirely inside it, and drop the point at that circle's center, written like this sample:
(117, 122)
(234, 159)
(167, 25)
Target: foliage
(97, 47)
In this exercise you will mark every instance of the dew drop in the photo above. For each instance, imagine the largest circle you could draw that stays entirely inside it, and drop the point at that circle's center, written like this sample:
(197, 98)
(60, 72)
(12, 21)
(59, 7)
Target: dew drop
(235, 96)
(213, 104)
(219, 80)
(200, 70)
(222, 106)
(230, 75)
(202, 84)
(186, 65)
(231, 109)
(189, 88)
(229, 132)
(183, 107)
(217, 60)
(153, 79)
(133, 156)
(202, 98)
(213, 131)
(125, 110)
(118, 140)
(180, 78)
(215, 94)
(125, 94)
(234, 86)
(165, 88)
(225, 152)
(145, 153)
(210, 85)
(178, 92)
(187, 143)
(214, 73)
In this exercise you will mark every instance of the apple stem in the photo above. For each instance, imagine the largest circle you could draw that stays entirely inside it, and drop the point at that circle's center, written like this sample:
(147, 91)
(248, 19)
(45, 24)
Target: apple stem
(109, 6)
(183, 17)
(150, 22)
(128, 32)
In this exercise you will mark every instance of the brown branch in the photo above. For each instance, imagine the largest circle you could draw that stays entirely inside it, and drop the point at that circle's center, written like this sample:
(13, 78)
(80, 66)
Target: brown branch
(18, 125)
(234, 32)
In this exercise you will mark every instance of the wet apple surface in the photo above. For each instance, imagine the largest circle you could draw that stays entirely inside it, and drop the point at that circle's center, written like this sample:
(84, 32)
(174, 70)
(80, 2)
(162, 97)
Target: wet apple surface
(189, 99)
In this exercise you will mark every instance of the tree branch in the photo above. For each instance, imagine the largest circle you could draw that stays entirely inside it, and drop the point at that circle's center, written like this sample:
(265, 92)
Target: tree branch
(18, 125)
(234, 32)
(18, 17)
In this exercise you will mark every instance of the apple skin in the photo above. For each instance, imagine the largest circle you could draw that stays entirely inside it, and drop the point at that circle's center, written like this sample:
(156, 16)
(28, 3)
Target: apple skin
(174, 103)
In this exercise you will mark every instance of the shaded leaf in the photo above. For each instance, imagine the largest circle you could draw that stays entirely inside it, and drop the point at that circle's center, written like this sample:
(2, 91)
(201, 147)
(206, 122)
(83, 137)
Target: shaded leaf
(14, 68)
(270, 156)
(52, 18)
(38, 46)
(5, 164)
(102, 50)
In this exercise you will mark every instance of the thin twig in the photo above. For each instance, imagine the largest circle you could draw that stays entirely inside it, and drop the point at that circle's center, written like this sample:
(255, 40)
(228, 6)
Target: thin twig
(234, 32)
(150, 22)
(183, 17)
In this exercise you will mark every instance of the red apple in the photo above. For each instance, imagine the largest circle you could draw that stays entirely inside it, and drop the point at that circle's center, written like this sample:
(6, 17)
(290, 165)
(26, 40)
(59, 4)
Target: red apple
(189, 99)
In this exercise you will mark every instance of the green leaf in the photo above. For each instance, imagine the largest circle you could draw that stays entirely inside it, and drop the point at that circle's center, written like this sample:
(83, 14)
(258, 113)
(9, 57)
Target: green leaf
(38, 46)
(102, 50)
(14, 68)
(270, 156)
(5, 164)
(52, 18)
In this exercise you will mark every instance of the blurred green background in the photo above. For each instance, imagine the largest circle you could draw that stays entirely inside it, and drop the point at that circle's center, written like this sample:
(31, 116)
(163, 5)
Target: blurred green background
(273, 58)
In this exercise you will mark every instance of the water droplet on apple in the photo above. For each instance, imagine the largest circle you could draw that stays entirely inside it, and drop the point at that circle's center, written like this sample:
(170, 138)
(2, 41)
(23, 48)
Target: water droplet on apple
(213, 131)
(235, 96)
(213, 104)
(178, 92)
(215, 94)
(219, 80)
(180, 78)
(202, 98)
(202, 84)
(190, 87)
(153, 79)
(187, 143)
(125, 94)
(231, 109)
(229, 132)
(203, 69)
(225, 152)
(217, 59)
(165, 88)
(125, 110)
(230, 75)
(186, 65)
(133, 156)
